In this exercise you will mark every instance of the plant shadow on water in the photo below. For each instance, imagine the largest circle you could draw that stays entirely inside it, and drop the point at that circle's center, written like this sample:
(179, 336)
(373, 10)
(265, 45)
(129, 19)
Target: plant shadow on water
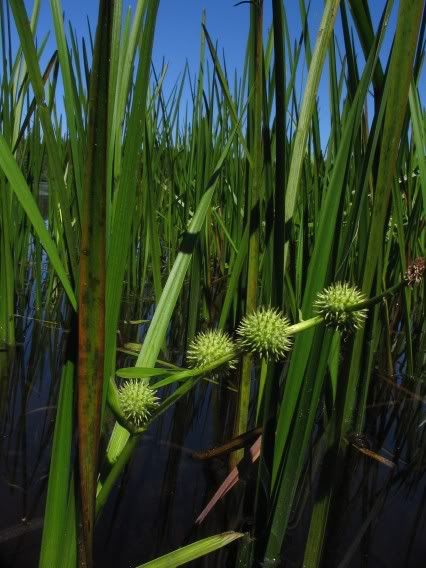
(381, 516)
(29, 387)
(136, 524)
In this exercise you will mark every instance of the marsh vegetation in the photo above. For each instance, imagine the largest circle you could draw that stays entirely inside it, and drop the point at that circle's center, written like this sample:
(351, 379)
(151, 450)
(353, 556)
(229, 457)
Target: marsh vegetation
(212, 318)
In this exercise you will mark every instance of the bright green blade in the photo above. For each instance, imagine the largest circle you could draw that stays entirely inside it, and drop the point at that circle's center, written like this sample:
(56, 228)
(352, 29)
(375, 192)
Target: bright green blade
(193, 551)
(23, 194)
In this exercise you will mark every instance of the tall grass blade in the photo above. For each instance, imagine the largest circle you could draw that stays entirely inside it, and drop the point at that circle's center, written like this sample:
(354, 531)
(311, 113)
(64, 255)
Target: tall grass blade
(23, 194)
(59, 474)
(192, 551)
(57, 183)
(309, 99)
(158, 327)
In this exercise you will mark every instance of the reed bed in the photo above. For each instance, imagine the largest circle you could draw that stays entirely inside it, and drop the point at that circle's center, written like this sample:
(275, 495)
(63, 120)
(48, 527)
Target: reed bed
(290, 266)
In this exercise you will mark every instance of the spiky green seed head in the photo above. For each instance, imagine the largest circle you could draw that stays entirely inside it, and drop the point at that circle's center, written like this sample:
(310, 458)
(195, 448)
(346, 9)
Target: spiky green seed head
(137, 401)
(333, 302)
(265, 333)
(208, 347)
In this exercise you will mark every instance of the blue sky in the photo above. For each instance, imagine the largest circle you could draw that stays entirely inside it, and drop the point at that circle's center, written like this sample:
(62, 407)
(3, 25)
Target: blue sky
(177, 37)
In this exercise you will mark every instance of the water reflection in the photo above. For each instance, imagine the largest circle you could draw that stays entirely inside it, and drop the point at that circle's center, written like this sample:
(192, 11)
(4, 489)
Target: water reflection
(380, 520)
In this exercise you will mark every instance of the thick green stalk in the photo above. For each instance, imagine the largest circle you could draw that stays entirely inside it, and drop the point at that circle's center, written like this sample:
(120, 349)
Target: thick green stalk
(91, 299)
(253, 207)
(280, 155)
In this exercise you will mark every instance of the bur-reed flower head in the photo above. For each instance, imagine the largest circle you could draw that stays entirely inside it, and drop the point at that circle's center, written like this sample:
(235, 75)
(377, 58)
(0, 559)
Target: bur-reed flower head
(265, 333)
(333, 302)
(415, 271)
(137, 401)
(208, 347)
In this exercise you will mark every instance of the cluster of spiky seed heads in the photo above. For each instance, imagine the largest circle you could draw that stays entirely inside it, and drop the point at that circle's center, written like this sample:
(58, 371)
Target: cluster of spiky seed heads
(335, 303)
(265, 333)
(210, 346)
(137, 401)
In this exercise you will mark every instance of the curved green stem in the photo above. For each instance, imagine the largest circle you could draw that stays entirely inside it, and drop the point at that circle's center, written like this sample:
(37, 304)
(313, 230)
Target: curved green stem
(304, 325)
(115, 473)
(376, 299)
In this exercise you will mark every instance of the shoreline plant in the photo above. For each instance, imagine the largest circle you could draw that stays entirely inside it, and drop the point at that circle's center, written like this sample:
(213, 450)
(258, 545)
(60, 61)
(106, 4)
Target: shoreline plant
(226, 215)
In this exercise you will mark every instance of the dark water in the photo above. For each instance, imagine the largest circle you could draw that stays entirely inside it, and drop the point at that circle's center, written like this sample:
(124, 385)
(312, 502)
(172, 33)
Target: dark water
(382, 521)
